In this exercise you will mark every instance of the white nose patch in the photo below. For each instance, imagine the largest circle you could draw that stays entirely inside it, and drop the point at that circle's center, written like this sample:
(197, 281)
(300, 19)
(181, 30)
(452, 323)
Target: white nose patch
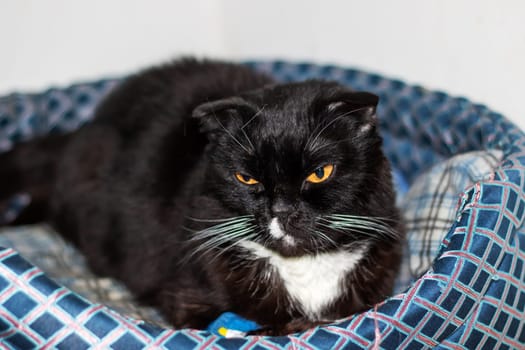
(277, 232)
(275, 229)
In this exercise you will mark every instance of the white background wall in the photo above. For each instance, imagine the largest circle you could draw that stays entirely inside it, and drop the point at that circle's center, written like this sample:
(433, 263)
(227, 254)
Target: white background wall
(465, 47)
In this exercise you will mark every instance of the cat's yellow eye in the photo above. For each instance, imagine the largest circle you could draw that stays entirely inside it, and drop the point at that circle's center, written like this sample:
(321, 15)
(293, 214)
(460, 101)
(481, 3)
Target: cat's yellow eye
(245, 179)
(321, 174)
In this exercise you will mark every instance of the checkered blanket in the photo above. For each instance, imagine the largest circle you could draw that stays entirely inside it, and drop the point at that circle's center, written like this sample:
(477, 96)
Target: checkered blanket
(472, 295)
(429, 208)
(63, 263)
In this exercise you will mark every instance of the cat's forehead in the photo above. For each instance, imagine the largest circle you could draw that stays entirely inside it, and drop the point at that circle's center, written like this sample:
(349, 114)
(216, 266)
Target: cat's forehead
(293, 95)
(281, 129)
(287, 109)
(283, 125)
(296, 127)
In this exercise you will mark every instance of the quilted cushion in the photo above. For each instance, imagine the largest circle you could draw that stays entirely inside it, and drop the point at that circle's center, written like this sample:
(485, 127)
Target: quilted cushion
(473, 295)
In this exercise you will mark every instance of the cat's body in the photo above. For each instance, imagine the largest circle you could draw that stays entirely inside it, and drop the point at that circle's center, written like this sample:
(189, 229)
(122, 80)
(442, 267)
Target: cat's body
(206, 187)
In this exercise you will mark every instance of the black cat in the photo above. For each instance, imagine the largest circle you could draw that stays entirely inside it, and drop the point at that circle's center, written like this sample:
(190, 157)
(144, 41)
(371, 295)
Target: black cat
(206, 187)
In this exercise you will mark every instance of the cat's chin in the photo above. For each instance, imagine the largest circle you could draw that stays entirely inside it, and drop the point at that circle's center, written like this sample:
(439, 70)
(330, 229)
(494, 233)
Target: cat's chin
(280, 248)
(288, 248)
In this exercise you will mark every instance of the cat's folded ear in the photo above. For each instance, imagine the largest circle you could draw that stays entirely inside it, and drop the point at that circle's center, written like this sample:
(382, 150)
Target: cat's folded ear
(220, 114)
(352, 105)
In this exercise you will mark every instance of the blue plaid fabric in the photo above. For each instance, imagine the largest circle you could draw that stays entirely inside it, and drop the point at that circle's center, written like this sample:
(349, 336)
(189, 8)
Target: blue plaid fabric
(473, 295)
(429, 208)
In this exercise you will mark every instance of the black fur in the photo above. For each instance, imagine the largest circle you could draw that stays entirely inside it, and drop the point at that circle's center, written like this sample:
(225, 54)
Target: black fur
(130, 188)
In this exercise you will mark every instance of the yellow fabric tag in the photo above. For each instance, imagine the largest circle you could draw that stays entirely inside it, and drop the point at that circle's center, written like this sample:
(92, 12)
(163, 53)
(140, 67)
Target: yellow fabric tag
(223, 331)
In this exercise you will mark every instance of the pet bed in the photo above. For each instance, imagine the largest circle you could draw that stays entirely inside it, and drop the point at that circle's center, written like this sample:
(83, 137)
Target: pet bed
(472, 295)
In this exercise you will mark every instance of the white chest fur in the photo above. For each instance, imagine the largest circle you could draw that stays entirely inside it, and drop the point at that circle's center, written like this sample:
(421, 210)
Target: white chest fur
(314, 281)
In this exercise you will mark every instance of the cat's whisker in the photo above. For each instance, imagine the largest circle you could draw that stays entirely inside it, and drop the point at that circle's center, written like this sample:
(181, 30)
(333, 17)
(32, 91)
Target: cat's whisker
(256, 235)
(207, 242)
(318, 237)
(373, 227)
(310, 141)
(201, 250)
(241, 217)
(360, 217)
(248, 122)
(352, 232)
(325, 238)
(232, 136)
(313, 244)
(215, 231)
(185, 228)
(218, 240)
(235, 239)
(233, 244)
(234, 230)
(334, 143)
(202, 235)
(380, 229)
(340, 218)
(254, 116)
(225, 225)
(384, 231)
(370, 225)
(249, 141)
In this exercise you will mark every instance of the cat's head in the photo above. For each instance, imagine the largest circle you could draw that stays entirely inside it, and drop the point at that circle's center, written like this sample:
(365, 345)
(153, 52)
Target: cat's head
(299, 166)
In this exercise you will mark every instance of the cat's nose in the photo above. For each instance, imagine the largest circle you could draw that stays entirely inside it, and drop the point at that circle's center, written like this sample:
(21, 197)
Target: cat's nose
(281, 207)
